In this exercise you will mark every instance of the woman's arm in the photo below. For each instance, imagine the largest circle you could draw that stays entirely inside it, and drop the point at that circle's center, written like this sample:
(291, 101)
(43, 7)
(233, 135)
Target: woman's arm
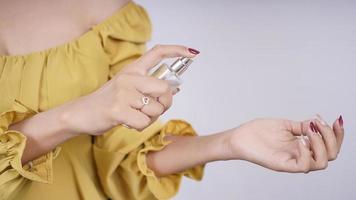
(44, 131)
(119, 101)
(185, 152)
(280, 145)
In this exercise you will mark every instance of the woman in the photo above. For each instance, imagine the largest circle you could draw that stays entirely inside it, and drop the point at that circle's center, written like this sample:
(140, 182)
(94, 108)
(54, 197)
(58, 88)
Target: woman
(79, 119)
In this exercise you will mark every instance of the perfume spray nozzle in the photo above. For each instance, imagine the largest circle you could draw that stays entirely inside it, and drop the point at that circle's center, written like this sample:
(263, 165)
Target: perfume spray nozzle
(180, 65)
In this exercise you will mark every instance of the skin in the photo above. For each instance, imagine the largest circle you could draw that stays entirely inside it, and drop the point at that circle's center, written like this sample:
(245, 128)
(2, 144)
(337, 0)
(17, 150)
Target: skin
(272, 143)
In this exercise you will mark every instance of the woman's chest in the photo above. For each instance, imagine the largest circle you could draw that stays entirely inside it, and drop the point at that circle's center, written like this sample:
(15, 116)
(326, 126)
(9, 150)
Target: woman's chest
(48, 79)
(37, 25)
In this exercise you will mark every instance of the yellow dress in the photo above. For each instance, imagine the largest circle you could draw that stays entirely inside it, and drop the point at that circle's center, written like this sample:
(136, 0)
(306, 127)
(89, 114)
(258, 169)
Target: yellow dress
(112, 166)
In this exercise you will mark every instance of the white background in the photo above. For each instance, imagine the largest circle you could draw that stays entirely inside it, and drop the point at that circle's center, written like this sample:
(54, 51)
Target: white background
(289, 59)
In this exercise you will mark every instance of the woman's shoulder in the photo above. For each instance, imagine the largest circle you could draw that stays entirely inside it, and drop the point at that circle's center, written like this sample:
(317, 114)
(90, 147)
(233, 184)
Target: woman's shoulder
(44, 24)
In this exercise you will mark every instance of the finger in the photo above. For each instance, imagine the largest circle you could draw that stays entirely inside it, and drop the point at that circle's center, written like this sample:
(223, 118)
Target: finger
(166, 100)
(160, 52)
(176, 90)
(320, 154)
(153, 108)
(338, 128)
(321, 120)
(297, 128)
(137, 120)
(300, 163)
(329, 139)
(153, 119)
(151, 86)
(305, 140)
(135, 100)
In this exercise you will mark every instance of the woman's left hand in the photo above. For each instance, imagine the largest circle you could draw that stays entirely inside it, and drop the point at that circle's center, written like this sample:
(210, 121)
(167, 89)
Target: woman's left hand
(287, 146)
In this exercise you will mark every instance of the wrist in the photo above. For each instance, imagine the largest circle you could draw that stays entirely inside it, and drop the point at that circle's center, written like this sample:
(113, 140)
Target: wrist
(66, 116)
(231, 146)
(223, 146)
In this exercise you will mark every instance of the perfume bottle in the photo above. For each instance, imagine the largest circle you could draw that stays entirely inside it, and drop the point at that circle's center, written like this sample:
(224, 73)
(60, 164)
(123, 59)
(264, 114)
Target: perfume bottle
(173, 72)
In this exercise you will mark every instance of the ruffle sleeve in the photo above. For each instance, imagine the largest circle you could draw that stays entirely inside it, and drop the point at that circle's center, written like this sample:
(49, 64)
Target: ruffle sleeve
(166, 187)
(124, 35)
(120, 156)
(13, 174)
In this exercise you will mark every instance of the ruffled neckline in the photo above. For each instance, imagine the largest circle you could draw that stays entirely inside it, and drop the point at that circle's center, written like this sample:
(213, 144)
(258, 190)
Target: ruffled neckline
(118, 14)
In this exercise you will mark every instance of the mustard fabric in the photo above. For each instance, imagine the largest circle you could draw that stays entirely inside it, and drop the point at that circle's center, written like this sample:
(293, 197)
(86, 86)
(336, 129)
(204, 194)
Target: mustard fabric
(110, 166)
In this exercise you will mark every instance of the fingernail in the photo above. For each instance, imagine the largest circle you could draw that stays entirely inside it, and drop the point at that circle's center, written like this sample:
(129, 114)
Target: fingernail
(317, 130)
(193, 51)
(312, 127)
(341, 121)
(176, 90)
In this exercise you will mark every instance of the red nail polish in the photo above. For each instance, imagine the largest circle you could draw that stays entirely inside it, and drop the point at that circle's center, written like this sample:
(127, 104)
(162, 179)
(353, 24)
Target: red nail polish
(312, 127)
(341, 121)
(193, 51)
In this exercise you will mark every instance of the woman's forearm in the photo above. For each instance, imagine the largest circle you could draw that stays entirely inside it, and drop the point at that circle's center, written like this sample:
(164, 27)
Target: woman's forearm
(185, 152)
(44, 131)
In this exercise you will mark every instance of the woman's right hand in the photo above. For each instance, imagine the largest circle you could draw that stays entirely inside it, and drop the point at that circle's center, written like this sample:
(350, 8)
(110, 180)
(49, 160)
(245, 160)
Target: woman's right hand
(119, 101)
